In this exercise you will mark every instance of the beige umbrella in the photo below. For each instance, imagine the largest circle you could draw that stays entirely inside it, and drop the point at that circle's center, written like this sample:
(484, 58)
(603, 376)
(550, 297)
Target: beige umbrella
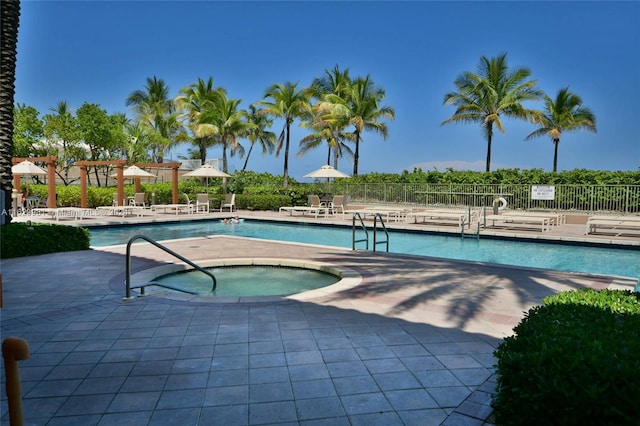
(27, 168)
(206, 171)
(135, 172)
(326, 172)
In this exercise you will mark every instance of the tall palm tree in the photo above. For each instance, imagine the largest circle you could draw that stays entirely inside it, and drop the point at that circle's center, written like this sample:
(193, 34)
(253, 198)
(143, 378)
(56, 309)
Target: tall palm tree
(193, 102)
(258, 133)
(326, 118)
(328, 121)
(10, 19)
(492, 92)
(333, 82)
(226, 124)
(155, 111)
(562, 114)
(364, 102)
(287, 102)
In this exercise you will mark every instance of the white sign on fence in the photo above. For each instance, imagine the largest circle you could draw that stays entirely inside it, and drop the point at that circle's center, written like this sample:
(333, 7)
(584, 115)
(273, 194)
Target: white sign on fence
(543, 192)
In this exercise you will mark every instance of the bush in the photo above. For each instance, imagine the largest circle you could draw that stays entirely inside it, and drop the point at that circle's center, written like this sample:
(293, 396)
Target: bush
(574, 360)
(21, 239)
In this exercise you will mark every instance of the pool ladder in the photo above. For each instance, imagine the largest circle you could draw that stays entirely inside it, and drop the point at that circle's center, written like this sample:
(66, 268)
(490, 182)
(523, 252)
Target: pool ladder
(142, 286)
(467, 223)
(475, 235)
(366, 232)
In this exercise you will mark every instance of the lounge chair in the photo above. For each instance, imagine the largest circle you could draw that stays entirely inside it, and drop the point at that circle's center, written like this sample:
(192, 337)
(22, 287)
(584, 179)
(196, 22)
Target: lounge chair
(177, 208)
(337, 204)
(315, 207)
(229, 202)
(139, 200)
(202, 203)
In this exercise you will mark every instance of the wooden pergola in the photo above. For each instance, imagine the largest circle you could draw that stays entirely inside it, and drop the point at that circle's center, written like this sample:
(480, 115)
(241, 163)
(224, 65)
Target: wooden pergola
(50, 161)
(120, 178)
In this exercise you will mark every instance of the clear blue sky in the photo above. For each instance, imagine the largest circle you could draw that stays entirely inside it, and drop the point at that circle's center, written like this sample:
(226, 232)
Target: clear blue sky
(100, 52)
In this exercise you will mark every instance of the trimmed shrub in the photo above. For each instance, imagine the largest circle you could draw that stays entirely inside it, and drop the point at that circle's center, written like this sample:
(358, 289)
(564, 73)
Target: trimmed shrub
(20, 239)
(574, 360)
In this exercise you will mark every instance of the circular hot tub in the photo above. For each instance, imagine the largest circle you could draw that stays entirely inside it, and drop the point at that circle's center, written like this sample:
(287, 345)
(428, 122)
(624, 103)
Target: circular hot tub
(247, 279)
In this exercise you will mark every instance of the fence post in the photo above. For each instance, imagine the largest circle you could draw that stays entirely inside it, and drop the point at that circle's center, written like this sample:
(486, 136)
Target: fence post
(14, 349)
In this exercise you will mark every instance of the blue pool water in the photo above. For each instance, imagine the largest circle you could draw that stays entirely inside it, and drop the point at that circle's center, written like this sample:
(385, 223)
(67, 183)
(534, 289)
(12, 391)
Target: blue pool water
(573, 258)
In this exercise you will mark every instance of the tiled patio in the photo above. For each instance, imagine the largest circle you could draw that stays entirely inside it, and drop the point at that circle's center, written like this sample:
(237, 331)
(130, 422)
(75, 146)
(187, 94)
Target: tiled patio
(412, 343)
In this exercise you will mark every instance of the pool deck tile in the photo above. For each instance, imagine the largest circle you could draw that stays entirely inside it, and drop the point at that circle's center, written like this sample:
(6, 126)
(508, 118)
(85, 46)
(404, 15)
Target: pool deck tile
(410, 341)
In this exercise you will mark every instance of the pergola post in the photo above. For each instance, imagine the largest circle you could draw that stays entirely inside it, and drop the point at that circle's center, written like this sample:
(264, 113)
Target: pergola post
(120, 188)
(174, 180)
(51, 176)
(83, 186)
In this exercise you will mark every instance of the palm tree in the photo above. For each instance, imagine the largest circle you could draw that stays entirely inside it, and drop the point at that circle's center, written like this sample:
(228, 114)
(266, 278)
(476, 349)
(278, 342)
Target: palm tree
(328, 121)
(364, 100)
(565, 113)
(326, 118)
(155, 111)
(494, 91)
(289, 103)
(194, 101)
(10, 19)
(225, 123)
(333, 82)
(258, 133)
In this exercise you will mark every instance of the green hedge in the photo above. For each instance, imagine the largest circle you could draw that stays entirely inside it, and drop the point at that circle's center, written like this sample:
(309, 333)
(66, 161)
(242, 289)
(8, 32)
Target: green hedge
(574, 360)
(20, 239)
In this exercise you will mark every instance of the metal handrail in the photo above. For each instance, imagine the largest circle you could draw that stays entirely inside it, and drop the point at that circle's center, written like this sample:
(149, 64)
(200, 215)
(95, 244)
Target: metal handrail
(167, 250)
(477, 233)
(353, 232)
(375, 228)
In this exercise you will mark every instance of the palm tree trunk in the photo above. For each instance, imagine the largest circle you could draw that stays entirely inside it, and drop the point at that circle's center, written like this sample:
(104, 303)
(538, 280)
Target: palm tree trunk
(356, 154)
(10, 19)
(224, 165)
(556, 142)
(286, 159)
(246, 160)
(489, 138)
(203, 150)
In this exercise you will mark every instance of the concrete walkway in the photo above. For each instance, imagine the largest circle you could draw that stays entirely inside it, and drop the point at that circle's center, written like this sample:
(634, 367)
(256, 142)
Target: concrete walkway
(411, 343)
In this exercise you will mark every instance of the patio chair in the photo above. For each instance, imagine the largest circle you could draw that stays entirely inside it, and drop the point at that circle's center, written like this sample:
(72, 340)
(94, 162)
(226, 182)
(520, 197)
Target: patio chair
(337, 204)
(139, 200)
(229, 202)
(314, 201)
(202, 203)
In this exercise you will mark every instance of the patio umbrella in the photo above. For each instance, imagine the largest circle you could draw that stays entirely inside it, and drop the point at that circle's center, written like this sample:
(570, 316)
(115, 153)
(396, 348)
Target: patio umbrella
(136, 173)
(27, 168)
(206, 171)
(326, 172)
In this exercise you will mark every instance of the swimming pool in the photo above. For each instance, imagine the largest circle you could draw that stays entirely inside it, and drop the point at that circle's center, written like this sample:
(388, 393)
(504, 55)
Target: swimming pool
(572, 258)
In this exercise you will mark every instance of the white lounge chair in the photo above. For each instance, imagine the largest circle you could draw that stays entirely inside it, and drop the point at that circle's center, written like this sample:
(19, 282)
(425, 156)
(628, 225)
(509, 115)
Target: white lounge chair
(139, 200)
(202, 203)
(229, 202)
